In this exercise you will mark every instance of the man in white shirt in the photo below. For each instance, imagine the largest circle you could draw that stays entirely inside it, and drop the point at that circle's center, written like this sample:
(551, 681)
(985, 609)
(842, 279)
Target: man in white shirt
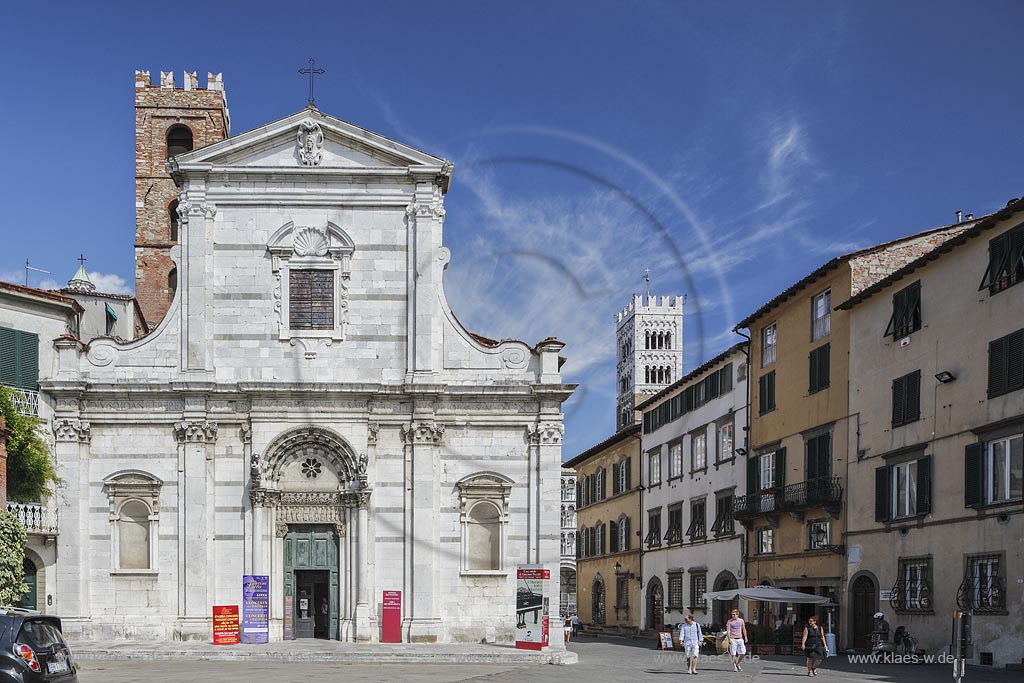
(690, 637)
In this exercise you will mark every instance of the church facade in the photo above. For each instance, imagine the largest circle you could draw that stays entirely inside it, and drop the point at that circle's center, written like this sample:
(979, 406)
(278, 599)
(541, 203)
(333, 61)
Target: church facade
(308, 409)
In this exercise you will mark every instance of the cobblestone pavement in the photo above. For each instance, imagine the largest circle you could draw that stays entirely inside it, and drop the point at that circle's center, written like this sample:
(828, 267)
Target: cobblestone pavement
(599, 660)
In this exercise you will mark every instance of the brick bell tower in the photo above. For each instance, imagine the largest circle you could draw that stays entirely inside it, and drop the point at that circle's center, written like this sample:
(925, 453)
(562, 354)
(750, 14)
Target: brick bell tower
(168, 121)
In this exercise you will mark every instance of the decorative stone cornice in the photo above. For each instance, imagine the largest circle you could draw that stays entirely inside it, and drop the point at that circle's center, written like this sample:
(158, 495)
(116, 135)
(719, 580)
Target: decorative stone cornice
(71, 429)
(285, 500)
(545, 433)
(428, 432)
(196, 431)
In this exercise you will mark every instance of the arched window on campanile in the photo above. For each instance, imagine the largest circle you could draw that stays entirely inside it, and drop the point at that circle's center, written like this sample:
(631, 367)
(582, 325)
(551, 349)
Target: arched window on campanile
(179, 140)
(172, 284)
(172, 212)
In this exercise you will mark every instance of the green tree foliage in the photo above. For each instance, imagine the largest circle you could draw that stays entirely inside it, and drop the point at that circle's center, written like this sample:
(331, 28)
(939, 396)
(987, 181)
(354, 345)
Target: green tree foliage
(30, 471)
(12, 558)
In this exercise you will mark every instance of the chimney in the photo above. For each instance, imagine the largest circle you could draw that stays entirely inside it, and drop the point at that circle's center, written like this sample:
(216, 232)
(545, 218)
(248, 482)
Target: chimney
(970, 216)
(3, 463)
(959, 216)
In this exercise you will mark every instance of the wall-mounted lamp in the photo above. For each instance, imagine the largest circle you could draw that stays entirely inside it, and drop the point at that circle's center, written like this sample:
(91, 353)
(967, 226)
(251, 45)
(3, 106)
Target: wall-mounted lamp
(617, 568)
(945, 377)
(741, 451)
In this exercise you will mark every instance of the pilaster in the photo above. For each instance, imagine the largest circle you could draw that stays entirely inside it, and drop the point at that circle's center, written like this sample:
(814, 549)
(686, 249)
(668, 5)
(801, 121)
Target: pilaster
(196, 438)
(72, 438)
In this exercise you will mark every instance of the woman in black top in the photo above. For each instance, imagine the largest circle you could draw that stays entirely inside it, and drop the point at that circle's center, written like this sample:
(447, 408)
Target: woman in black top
(814, 646)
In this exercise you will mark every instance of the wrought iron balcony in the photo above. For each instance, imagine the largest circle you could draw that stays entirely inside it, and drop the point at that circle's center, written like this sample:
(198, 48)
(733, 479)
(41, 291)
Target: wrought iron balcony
(981, 594)
(767, 502)
(25, 401)
(35, 518)
(825, 491)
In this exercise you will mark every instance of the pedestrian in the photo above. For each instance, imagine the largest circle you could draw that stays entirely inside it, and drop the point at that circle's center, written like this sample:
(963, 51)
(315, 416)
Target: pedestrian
(690, 637)
(737, 630)
(575, 624)
(814, 645)
(567, 628)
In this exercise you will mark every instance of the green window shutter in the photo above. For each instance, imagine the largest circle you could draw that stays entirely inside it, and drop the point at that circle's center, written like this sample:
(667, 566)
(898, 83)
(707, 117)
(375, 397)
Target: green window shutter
(28, 362)
(8, 357)
(882, 494)
(780, 468)
(899, 401)
(627, 534)
(629, 473)
(913, 387)
(997, 352)
(924, 485)
(974, 475)
(613, 528)
(752, 473)
(1015, 361)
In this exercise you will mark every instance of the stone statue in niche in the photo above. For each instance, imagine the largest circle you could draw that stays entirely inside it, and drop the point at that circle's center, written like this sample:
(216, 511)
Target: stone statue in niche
(311, 143)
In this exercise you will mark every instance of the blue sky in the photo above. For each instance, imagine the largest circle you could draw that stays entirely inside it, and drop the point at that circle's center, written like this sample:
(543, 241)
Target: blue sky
(730, 147)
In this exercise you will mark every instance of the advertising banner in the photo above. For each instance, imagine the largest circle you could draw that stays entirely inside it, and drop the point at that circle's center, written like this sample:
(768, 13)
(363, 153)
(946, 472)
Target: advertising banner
(289, 618)
(391, 617)
(531, 606)
(255, 609)
(225, 625)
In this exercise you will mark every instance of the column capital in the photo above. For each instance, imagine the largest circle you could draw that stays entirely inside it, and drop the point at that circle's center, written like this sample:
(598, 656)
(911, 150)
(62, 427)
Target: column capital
(196, 431)
(425, 432)
(72, 429)
(545, 433)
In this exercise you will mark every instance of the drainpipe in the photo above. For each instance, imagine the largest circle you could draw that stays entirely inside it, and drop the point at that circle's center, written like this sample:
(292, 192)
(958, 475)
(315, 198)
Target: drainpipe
(746, 445)
(639, 525)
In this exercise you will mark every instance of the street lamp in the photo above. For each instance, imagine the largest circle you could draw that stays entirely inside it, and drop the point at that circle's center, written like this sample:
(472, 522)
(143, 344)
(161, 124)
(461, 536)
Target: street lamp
(617, 568)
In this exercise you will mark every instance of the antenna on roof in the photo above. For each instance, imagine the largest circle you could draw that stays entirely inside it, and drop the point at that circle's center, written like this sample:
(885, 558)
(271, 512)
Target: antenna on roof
(28, 268)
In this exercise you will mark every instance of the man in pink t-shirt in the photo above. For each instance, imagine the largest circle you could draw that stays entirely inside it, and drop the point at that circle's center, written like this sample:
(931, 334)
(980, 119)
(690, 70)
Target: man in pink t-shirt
(737, 631)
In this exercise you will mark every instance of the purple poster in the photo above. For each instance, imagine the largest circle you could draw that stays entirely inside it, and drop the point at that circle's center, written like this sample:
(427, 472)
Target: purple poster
(255, 609)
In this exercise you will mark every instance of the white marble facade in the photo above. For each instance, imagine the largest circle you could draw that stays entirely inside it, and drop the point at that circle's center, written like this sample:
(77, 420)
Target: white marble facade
(429, 457)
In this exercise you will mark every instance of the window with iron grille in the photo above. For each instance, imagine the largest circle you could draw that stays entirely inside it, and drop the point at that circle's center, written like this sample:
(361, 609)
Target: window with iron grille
(723, 515)
(675, 524)
(913, 589)
(1006, 364)
(982, 589)
(698, 520)
(653, 537)
(821, 315)
(621, 592)
(698, 587)
(311, 299)
(767, 345)
(766, 392)
(906, 312)
(1005, 261)
(906, 399)
(675, 591)
(819, 369)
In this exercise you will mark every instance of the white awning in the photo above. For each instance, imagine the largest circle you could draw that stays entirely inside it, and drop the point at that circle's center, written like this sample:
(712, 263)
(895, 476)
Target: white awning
(767, 594)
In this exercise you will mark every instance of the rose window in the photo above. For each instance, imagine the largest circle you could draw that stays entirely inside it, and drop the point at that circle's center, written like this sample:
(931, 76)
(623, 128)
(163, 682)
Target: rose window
(311, 467)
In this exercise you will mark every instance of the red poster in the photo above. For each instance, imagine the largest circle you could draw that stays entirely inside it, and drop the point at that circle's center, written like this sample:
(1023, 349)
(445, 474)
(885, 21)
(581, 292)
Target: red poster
(225, 625)
(391, 617)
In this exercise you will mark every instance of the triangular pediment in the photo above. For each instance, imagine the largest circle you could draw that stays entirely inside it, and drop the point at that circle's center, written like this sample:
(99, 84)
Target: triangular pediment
(332, 144)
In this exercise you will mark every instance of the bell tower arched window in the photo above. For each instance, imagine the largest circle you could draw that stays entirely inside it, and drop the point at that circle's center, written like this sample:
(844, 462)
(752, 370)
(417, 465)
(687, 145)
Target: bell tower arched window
(179, 140)
(172, 214)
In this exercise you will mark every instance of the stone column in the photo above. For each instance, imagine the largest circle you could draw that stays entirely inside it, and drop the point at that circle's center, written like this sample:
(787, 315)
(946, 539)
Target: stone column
(196, 440)
(74, 562)
(422, 581)
(363, 601)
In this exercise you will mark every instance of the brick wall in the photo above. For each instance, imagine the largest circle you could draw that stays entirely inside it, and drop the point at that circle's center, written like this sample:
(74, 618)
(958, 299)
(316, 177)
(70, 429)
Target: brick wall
(869, 268)
(157, 109)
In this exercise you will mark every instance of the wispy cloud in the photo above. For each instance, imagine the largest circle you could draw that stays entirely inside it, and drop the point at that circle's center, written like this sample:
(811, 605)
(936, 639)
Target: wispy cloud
(107, 283)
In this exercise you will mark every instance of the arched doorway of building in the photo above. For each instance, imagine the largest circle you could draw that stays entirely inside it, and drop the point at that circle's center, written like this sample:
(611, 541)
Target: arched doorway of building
(723, 608)
(597, 606)
(655, 605)
(863, 605)
(29, 599)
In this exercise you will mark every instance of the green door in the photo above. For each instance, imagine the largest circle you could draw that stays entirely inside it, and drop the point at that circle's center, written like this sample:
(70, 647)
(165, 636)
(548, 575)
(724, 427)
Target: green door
(312, 547)
(29, 599)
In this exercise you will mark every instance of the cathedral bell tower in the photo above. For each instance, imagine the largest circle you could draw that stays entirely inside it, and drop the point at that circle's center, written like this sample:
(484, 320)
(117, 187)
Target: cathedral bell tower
(168, 121)
(649, 357)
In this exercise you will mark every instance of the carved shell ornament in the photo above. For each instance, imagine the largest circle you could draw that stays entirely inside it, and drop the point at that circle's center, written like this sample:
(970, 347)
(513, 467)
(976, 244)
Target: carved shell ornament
(310, 242)
(311, 143)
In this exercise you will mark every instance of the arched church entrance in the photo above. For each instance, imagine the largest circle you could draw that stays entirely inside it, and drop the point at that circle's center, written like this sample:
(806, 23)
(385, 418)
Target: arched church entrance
(311, 490)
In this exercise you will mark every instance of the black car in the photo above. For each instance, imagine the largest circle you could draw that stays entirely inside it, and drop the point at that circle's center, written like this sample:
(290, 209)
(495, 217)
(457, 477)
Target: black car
(32, 649)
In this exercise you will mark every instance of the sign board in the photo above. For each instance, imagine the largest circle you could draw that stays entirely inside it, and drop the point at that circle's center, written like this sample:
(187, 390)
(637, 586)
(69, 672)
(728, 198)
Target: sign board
(225, 625)
(391, 617)
(289, 618)
(665, 640)
(255, 609)
(884, 595)
(531, 606)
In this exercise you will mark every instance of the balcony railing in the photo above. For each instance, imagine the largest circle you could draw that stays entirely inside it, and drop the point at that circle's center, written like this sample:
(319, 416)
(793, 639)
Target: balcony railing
(805, 494)
(25, 401)
(826, 491)
(34, 517)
